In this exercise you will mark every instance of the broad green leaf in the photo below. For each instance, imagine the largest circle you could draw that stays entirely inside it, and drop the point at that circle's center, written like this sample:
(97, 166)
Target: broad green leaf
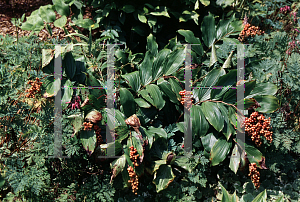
(140, 30)
(167, 89)
(158, 65)
(93, 82)
(60, 22)
(62, 8)
(145, 94)
(48, 61)
(33, 23)
(163, 177)
(228, 130)
(235, 159)
(51, 86)
(208, 141)
(142, 103)
(205, 2)
(253, 154)
(190, 38)
(47, 13)
(76, 121)
(223, 27)
(160, 11)
(262, 197)
(128, 8)
(156, 95)
(142, 18)
(69, 65)
(230, 96)
(127, 101)
(225, 195)
(175, 60)
(199, 124)
(152, 21)
(280, 199)
(145, 69)
(152, 45)
(263, 89)
(118, 165)
(224, 3)
(210, 79)
(213, 56)
(268, 103)
(208, 30)
(219, 151)
(88, 140)
(133, 80)
(159, 131)
(226, 81)
(67, 94)
(157, 164)
(175, 87)
(122, 132)
(84, 23)
(213, 115)
(249, 86)
(80, 72)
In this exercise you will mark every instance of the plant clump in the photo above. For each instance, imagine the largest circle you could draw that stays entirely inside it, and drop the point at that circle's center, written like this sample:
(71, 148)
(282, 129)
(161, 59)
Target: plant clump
(134, 180)
(257, 126)
(34, 89)
(254, 174)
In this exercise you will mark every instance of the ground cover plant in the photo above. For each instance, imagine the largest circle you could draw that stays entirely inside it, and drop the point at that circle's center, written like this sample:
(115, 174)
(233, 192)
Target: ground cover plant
(151, 104)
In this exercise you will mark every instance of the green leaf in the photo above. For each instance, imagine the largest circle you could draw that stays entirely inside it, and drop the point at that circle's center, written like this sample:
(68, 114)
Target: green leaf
(213, 115)
(213, 56)
(142, 18)
(235, 159)
(142, 103)
(227, 130)
(145, 94)
(93, 82)
(140, 30)
(224, 27)
(230, 96)
(69, 65)
(225, 195)
(184, 163)
(118, 165)
(84, 23)
(253, 154)
(152, 21)
(210, 79)
(67, 94)
(127, 101)
(2, 181)
(263, 89)
(122, 132)
(76, 121)
(175, 60)
(208, 141)
(165, 86)
(62, 8)
(161, 11)
(159, 131)
(156, 96)
(33, 23)
(145, 69)
(163, 177)
(60, 22)
(190, 38)
(126, 153)
(224, 3)
(158, 65)
(205, 2)
(226, 81)
(280, 199)
(219, 151)
(208, 30)
(137, 142)
(128, 8)
(88, 140)
(175, 87)
(152, 45)
(133, 80)
(157, 164)
(262, 197)
(228, 61)
(199, 124)
(47, 56)
(47, 13)
(268, 103)
(51, 86)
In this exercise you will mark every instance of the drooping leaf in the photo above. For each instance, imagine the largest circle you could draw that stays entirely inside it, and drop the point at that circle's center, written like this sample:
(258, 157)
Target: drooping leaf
(208, 141)
(208, 30)
(146, 69)
(127, 101)
(227, 130)
(142, 103)
(235, 159)
(213, 56)
(158, 64)
(175, 60)
(200, 125)
(213, 115)
(167, 89)
(224, 28)
(69, 65)
(156, 95)
(152, 45)
(190, 38)
(219, 151)
(117, 166)
(159, 131)
(268, 103)
(253, 154)
(133, 80)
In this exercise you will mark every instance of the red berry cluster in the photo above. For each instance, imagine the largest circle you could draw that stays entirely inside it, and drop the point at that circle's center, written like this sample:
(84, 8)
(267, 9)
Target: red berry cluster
(34, 89)
(249, 31)
(134, 180)
(98, 135)
(87, 125)
(184, 99)
(254, 174)
(257, 126)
